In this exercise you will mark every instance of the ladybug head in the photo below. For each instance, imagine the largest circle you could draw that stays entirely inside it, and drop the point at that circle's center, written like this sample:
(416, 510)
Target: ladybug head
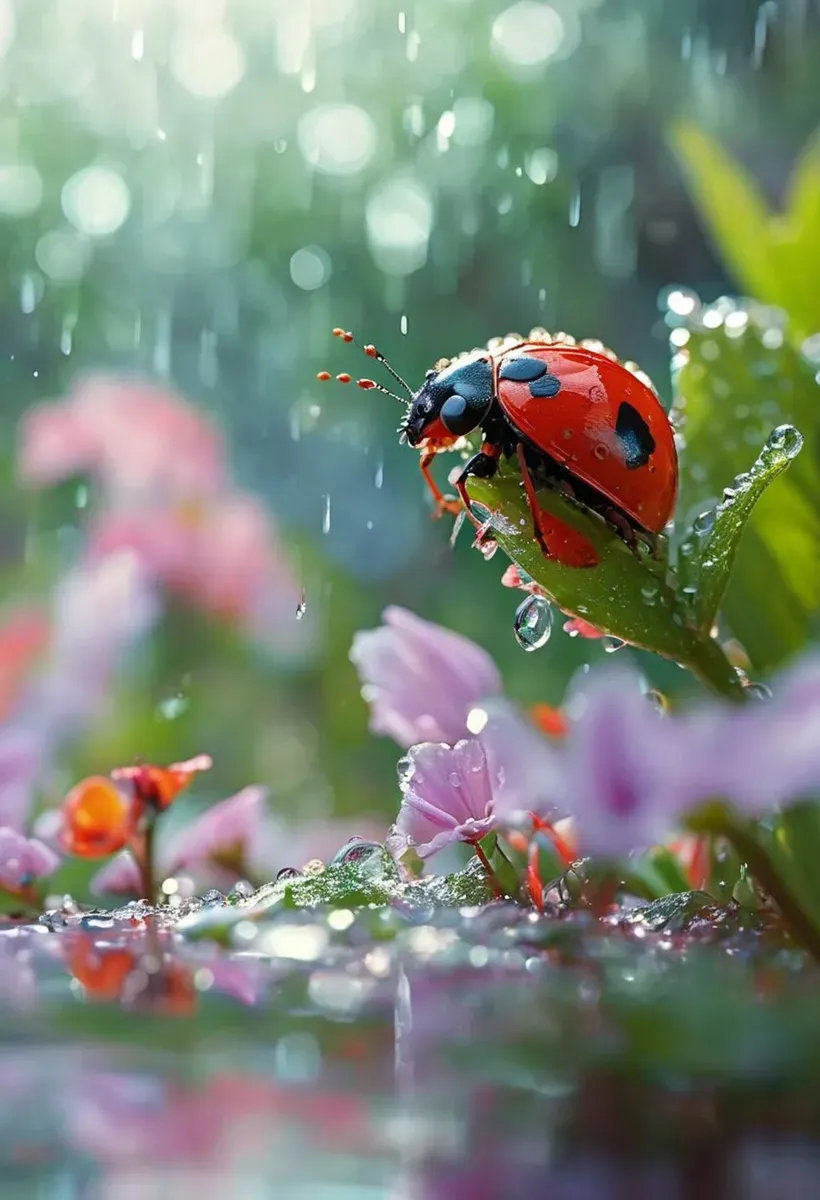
(450, 403)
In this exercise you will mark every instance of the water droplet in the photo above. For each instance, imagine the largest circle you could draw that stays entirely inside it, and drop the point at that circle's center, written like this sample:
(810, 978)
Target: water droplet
(325, 514)
(488, 547)
(287, 873)
(173, 706)
(355, 851)
(757, 691)
(786, 440)
(601, 452)
(649, 592)
(658, 701)
(301, 607)
(532, 624)
(703, 522)
(612, 644)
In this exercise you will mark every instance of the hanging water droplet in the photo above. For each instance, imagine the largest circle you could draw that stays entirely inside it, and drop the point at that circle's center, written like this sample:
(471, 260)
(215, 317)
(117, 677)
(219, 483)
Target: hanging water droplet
(703, 522)
(786, 440)
(532, 624)
(612, 644)
(757, 691)
(301, 607)
(488, 547)
(658, 701)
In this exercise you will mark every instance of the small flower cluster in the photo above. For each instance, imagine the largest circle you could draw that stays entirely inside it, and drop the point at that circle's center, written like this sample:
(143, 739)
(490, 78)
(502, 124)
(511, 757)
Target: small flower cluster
(163, 491)
(626, 773)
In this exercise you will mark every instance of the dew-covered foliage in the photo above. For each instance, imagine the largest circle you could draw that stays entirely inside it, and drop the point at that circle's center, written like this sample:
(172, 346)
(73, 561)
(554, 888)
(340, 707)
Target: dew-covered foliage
(345, 852)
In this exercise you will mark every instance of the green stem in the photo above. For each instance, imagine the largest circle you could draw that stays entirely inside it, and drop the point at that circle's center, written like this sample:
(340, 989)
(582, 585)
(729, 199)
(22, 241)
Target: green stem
(491, 875)
(708, 662)
(799, 923)
(143, 849)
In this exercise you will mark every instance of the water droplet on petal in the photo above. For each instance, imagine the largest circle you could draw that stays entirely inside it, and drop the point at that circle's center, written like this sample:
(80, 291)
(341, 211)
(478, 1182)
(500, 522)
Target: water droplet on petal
(454, 779)
(532, 624)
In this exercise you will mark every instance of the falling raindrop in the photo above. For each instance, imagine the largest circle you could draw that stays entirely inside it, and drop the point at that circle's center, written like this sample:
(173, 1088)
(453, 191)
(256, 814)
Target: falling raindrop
(532, 624)
(379, 480)
(325, 514)
(301, 607)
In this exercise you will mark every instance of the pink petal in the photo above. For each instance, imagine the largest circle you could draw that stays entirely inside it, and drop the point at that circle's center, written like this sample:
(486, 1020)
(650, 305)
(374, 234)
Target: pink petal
(421, 680)
(235, 822)
(119, 877)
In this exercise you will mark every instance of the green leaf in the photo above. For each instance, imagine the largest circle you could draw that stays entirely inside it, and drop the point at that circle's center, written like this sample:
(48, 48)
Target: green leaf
(734, 208)
(773, 256)
(623, 595)
(712, 552)
(736, 380)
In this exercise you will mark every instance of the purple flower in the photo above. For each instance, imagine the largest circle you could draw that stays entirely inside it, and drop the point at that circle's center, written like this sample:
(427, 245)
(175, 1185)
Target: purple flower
(447, 797)
(421, 680)
(23, 859)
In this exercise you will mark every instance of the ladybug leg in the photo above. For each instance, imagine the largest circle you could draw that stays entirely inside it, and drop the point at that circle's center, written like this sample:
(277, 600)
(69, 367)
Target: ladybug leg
(483, 466)
(443, 504)
(622, 526)
(532, 498)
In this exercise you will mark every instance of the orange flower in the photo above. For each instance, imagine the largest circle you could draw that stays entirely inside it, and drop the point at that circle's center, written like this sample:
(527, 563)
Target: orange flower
(97, 818)
(160, 786)
(105, 971)
(549, 720)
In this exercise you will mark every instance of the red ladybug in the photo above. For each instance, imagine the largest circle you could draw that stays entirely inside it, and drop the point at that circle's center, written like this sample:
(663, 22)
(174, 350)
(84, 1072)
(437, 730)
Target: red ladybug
(573, 416)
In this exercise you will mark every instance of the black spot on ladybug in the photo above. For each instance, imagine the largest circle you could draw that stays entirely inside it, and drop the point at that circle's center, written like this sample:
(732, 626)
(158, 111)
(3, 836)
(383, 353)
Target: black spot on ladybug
(550, 385)
(523, 370)
(633, 433)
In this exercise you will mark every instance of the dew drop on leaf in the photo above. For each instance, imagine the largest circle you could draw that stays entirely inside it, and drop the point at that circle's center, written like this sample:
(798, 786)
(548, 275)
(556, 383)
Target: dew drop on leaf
(758, 691)
(786, 440)
(532, 624)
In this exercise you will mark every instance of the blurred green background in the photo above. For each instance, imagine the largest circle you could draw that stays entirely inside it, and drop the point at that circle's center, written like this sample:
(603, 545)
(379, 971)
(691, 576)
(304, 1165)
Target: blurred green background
(199, 190)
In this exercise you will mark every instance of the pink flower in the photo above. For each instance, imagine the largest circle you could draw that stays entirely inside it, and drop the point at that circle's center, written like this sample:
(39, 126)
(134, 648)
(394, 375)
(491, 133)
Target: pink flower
(23, 859)
(233, 839)
(133, 437)
(97, 614)
(221, 555)
(222, 835)
(421, 680)
(447, 797)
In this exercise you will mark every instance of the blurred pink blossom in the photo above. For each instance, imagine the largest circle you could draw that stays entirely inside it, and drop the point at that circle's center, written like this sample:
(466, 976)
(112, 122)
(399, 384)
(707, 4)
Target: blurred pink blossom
(223, 832)
(420, 680)
(131, 436)
(236, 838)
(23, 859)
(222, 555)
(97, 613)
(447, 797)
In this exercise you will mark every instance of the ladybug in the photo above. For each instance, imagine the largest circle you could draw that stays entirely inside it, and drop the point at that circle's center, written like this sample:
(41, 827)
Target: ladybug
(572, 415)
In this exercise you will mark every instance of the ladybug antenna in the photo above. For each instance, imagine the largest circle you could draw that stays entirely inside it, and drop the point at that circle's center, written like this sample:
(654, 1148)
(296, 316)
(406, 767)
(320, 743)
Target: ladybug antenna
(369, 385)
(372, 352)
